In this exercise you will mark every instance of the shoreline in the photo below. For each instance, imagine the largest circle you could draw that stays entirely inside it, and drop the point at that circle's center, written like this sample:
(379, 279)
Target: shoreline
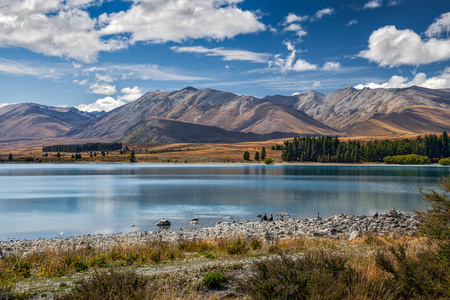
(222, 163)
(392, 223)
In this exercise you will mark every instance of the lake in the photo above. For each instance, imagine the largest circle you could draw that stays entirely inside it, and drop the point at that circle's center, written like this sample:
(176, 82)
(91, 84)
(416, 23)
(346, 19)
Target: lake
(42, 200)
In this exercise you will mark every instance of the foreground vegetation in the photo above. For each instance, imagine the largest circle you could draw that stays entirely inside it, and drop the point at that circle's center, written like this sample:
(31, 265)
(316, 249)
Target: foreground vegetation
(301, 267)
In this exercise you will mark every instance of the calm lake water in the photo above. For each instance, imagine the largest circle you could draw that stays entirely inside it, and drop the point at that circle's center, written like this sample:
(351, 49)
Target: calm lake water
(42, 200)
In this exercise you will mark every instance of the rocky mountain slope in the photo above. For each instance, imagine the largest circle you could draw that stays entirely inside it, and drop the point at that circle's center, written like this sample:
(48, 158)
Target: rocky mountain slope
(206, 115)
(157, 130)
(32, 121)
(204, 107)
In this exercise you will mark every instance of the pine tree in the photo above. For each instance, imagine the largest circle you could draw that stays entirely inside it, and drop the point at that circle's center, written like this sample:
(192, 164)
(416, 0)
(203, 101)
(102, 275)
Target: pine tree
(132, 157)
(10, 157)
(263, 153)
(257, 156)
(246, 155)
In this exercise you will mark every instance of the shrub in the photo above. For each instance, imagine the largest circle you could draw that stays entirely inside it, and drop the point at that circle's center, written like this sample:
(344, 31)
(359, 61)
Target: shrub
(99, 261)
(80, 266)
(208, 255)
(410, 159)
(23, 268)
(315, 276)
(444, 161)
(268, 161)
(434, 221)
(423, 276)
(214, 280)
(255, 244)
(28, 158)
(236, 247)
(110, 285)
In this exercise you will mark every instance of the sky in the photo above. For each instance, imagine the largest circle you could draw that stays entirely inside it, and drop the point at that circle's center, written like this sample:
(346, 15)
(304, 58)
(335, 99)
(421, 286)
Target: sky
(101, 54)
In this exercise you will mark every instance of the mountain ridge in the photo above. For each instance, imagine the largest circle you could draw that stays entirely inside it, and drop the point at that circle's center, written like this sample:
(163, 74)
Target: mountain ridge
(344, 112)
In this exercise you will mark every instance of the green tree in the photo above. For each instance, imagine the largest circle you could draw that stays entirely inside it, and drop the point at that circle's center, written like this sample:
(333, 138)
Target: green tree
(246, 155)
(436, 219)
(58, 154)
(263, 153)
(10, 157)
(257, 156)
(132, 157)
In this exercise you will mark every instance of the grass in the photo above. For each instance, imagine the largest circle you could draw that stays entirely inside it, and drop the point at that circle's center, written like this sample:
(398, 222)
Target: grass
(372, 267)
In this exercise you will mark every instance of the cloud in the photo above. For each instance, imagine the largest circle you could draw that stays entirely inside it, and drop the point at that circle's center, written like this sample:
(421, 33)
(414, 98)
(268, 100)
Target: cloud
(131, 94)
(104, 78)
(53, 28)
(109, 103)
(441, 81)
(291, 18)
(441, 25)
(20, 68)
(323, 12)
(331, 66)
(391, 47)
(103, 104)
(160, 21)
(102, 89)
(82, 82)
(394, 2)
(298, 29)
(289, 63)
(66, 29)
(352, 22)
(226, 54)
(373, 4)
(4, 104)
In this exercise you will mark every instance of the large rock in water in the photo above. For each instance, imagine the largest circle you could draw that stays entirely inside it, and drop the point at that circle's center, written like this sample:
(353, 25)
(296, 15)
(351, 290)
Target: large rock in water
(163, 222)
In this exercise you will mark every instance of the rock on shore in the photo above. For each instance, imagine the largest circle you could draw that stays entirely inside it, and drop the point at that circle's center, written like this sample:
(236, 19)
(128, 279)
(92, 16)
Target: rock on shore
(338, 226)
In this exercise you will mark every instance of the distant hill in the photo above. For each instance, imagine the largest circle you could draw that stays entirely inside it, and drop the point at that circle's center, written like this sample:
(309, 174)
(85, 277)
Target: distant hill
(32, 121)
(206, 115)
(204, 107)
(157, 130)
(376, 112)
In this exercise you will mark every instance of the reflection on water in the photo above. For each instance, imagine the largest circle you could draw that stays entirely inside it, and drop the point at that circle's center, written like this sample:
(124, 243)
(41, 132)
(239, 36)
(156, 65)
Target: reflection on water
(41, 200)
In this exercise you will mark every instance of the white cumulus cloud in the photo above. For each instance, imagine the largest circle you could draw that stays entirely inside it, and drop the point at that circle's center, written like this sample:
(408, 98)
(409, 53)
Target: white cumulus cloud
(441, 81)
(440, 26)
(160, 21)
(102, 88)
(131, 94)
(54, 28)
(66, 29)
(297, 28)
(373, 4)
(290, 63)
(103, 104)
(291, 18)
(389, 46)
(226, 54)
(331, 66)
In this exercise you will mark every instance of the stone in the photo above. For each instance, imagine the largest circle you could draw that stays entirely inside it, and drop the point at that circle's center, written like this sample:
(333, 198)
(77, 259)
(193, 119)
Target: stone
(354, 235)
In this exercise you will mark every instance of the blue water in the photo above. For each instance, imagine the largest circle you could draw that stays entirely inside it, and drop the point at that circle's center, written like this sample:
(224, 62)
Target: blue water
(42, 200)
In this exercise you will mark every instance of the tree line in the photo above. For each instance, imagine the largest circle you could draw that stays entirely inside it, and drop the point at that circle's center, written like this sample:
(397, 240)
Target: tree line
(331, 149)
(83, 148)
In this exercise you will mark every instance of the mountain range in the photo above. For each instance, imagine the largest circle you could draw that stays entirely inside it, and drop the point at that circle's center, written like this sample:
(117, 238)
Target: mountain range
(206, 115)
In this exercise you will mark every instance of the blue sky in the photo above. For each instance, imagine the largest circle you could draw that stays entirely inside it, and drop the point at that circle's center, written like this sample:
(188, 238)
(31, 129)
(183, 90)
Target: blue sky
(97, 55)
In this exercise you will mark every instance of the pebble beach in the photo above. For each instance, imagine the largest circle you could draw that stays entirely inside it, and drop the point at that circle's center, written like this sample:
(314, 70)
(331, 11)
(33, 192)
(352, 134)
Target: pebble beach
(340, 226)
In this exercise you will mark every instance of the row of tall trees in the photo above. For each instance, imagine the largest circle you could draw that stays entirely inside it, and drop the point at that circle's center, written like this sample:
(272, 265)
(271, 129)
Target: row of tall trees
(331, 149)
(83, 148)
